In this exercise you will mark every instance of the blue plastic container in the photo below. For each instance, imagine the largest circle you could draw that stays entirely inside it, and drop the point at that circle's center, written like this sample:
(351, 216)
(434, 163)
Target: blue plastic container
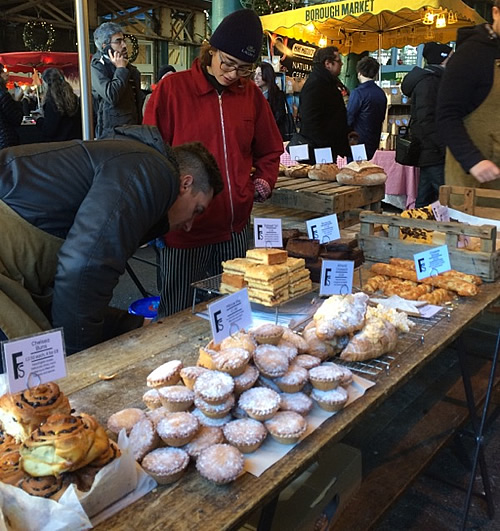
(147, 307)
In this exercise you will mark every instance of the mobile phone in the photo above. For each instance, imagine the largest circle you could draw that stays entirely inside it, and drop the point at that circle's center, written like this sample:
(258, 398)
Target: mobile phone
(106, 50)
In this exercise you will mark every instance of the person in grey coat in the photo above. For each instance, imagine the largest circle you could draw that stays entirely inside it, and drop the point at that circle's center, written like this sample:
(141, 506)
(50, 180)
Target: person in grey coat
(116, 83)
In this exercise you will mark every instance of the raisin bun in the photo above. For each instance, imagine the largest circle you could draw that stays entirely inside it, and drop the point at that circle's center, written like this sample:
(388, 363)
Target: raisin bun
(22, 413)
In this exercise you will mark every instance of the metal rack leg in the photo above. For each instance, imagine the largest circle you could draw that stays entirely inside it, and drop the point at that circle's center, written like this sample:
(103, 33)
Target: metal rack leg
(478, 431)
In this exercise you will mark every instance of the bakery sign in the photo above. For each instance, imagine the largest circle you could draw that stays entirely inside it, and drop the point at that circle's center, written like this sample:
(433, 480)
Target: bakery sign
(296, 57)
(229, 315)
(337, 10)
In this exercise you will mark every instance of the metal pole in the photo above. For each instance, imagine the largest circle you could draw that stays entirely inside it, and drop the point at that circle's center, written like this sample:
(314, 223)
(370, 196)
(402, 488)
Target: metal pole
(82, 33)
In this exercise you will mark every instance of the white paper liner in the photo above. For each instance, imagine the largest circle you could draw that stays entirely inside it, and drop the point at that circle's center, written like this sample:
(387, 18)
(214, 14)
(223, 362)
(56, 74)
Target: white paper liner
(115, 486)
(271, 451)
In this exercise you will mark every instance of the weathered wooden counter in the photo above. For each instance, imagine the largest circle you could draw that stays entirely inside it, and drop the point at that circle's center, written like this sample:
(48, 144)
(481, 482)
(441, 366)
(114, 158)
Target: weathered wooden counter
(192, 502)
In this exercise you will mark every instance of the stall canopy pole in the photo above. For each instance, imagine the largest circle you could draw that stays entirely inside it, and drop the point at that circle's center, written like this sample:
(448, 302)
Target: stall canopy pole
(82, 33)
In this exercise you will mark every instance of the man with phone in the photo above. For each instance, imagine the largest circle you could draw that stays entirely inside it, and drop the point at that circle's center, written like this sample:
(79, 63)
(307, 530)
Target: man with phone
(116, 83)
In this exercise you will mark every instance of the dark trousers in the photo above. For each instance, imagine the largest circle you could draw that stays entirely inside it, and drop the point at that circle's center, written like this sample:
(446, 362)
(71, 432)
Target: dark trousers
(431, 178)
(181, 267)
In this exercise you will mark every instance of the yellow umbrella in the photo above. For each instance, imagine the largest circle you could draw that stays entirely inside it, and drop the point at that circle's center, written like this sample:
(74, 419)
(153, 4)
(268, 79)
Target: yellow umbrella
(368, 25)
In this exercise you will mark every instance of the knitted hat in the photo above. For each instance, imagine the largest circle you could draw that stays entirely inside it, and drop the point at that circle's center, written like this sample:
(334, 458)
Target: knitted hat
(435, 53)
(239, 35)
(165, 69)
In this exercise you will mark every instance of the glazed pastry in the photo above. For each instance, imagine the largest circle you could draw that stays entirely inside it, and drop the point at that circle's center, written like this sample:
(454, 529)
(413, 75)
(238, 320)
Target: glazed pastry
(167, 374)
(245, 380)
(340, 315)
(206, 436)
(220, 463)
(176, 398)
(143, 438)
(7, 443)
(293, 380)
(22, 413)
(214, 386)
(45, 487)
(298, 402)
(11, 471)
(260, 403)
(270, 361)
(166, 465)
(124, 419)
(245, 434)
(152, 398)
(325, 377)
(332, 400)
(189, 375)
(286, 427)
(177, 429)
(62, 444)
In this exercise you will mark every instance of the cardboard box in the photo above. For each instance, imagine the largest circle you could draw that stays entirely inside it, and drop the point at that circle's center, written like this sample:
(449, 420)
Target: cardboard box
(325, 486)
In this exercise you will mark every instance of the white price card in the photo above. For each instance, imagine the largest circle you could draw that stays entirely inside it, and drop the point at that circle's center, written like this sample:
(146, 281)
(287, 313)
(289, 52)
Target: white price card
(323, 155)
(336, 277)
(34, 360)
(229, 315)
(432, 262)
(441, 212)
(267, 232)
(359, 152)
(299, 152)
(324, 229)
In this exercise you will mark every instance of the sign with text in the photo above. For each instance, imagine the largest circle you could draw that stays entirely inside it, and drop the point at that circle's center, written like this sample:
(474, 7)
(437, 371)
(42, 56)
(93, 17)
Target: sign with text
(336, 277)
(324, 229)
(323, 155)
(267, 232)
(441, 212)
(34, 360)
(432, 262)
(229, 315)
(300, 152)
(359, 152)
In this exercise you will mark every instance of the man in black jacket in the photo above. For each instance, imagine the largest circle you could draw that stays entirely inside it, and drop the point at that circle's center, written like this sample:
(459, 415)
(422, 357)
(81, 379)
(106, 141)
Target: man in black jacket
(422, 85)
(72, 214)
(11, 111)
(322, 110)
(469, 106)
(116, 83)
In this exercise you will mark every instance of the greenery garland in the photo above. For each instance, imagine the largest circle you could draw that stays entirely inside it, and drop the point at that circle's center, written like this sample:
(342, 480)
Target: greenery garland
(135, 46)
(29, 41)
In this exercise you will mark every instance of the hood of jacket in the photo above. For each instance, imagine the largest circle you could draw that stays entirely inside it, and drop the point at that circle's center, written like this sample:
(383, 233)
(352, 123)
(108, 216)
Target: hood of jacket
(482, 33)
(416, 75)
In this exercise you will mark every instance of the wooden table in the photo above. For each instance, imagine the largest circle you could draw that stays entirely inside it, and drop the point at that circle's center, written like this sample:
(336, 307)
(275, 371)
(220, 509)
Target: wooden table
(192, 502)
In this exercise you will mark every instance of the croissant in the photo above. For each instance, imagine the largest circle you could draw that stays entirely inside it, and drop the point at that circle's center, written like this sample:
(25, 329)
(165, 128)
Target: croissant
(340, 315)
(21, 413)
(63, 444)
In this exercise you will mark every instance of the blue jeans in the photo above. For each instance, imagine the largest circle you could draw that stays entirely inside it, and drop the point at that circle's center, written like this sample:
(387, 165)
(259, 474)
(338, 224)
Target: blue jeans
(431, 178)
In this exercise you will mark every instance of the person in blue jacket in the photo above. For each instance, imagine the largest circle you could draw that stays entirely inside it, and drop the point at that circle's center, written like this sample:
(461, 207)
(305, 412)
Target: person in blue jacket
(366, 106)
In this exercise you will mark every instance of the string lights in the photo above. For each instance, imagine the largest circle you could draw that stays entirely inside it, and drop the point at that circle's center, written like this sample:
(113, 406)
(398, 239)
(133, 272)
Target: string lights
(28, 36)
(135, 46)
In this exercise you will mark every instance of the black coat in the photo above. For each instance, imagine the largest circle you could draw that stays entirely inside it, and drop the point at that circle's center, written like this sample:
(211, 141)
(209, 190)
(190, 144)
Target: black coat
(422, 85)
(104, 198)
(323, 113)
(57, 127)
(11, 116)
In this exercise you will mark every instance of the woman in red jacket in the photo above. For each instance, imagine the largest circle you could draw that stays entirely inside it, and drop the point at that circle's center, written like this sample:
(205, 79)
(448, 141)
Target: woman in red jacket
(216, 103)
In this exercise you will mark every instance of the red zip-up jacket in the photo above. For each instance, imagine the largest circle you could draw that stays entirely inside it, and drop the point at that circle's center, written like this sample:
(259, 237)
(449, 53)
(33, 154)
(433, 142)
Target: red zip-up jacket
(238, 128)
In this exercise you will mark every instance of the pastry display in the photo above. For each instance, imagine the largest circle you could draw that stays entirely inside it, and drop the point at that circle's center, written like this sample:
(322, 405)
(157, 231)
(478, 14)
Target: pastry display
(214, 386)
(205, 437)
(11, 471)
(303, 247)
(286, 427)
(332, 400)
(268, 334)
(189, 375)
(45, 487)
(239, 340)
(176, 398)
(325, 377)
(271, 361)
(232, 360)
(143, 437)
(245, 434)
(266, 256)
(167, 374)
(268, 284)
(166, 465)
(293, 380)
(361, 174)
(245, 380)
(323, 172)
(260, 403)
(151, 398)
(177, 429)
(220, 463)
(298, 402)
(288, 349)
(124, 419)
(214, 411)
(340, 315)
(307, 361)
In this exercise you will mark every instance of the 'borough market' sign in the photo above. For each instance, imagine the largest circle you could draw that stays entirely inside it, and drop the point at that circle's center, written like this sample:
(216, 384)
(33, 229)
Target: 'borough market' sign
(337, 10)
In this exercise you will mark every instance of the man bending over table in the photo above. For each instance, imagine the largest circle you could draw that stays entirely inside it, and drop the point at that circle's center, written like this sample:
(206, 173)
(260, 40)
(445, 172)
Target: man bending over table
(72, 214)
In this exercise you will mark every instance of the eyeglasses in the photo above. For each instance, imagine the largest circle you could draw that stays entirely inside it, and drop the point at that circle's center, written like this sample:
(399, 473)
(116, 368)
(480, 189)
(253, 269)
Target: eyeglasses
(242, 71)
(117, 41)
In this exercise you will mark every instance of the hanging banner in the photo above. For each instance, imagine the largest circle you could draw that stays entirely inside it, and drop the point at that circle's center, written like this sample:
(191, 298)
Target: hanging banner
(296, 57)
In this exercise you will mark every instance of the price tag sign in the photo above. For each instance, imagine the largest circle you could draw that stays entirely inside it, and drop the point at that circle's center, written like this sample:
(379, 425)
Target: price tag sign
(323, 155)
(229, 315)
(441, 212)
(432, 262)
(299, 152)
(336, 277)
(359, 152)
(324, 229)
(34, 360)
(267, 232)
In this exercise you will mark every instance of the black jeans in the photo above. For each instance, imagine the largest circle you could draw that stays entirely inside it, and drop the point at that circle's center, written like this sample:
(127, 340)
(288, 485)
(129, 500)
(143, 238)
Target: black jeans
(431, 178)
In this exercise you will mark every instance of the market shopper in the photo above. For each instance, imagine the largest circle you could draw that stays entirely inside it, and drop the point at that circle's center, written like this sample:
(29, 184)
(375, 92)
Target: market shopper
(217, 103)
(322, 109)
(422, 86)
(469, 107)
(11, 111)
(72, 214)
(116, 83)
(62, 118)
(366, 106)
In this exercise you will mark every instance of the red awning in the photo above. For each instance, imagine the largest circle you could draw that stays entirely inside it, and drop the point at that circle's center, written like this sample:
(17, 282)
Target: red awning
(26, 61)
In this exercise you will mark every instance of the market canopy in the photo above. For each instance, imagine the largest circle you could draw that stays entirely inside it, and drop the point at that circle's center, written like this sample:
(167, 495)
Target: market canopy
(25, 62)
(367, 25)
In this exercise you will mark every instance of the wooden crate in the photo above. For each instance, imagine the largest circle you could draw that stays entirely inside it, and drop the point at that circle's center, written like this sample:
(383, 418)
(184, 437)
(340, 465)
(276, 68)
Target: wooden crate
(379, 246)
(325, 197)
(466, 199)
